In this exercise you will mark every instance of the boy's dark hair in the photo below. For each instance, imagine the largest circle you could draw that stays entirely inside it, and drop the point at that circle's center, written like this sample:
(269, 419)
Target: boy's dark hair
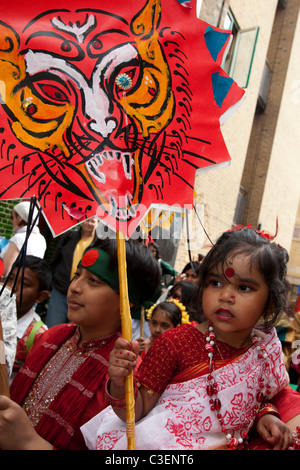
(269, 258)
(42, 270)
(141, 265)
(172, 310)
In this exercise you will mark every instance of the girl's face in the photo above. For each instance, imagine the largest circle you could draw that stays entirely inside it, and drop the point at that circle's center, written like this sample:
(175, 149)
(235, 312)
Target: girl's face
(159, 323)
(235, 302)
(30, 287)
(191, 277)
(93, 305)
(16, 221)
(177, 293)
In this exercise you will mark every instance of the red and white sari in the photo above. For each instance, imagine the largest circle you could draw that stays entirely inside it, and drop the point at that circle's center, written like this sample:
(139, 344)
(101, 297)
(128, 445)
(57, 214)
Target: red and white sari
(182, 417)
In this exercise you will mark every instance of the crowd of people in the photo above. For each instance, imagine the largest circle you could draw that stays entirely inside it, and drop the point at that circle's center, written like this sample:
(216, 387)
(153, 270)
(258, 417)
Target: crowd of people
(212, 360)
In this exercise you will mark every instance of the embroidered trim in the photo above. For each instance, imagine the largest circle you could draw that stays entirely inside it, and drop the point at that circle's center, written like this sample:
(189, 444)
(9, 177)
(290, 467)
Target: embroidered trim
(70, 430)
(26, 371)
(81, 388)
(100, 358)
(50, 346)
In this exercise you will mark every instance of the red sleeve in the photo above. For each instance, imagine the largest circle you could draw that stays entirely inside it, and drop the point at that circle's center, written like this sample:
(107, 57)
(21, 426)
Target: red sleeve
(287, 402)
(159, 364)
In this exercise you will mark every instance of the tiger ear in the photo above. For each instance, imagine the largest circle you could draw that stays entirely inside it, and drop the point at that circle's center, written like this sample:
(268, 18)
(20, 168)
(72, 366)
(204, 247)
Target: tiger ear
(12, 63)
(147, 20)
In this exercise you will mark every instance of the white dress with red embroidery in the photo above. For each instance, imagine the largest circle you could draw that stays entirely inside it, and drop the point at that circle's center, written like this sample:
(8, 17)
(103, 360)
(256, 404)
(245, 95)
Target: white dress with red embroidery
(182, 417)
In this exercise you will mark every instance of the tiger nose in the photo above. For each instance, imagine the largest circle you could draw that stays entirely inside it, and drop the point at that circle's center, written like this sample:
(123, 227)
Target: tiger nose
(105, 127)
(99, 112)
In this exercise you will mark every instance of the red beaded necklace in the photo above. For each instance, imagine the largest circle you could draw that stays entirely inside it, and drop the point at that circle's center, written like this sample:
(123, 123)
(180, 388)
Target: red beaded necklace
(212, 387)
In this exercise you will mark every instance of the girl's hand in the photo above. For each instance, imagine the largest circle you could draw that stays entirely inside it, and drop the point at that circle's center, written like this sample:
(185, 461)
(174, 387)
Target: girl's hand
(122, 360)
(179, 278)
(274, 431)
(141, 343)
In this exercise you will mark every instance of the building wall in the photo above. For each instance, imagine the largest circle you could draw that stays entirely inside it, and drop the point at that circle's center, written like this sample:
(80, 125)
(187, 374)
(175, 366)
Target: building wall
(218, 189)
(264, 146)
(282, 187)
(271, 171)
(294, 263)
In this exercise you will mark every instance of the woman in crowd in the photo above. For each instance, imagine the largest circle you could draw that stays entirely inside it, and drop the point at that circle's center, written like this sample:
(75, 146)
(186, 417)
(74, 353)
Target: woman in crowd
(36, 243)
(190, 273)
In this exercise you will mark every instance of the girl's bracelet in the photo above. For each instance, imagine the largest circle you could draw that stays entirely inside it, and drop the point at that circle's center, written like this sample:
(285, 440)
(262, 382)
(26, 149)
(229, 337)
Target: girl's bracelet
(266, 408)
(118, 403)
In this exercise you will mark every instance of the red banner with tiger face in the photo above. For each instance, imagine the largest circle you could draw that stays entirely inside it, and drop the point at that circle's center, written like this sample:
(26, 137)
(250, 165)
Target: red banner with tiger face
(109, 107)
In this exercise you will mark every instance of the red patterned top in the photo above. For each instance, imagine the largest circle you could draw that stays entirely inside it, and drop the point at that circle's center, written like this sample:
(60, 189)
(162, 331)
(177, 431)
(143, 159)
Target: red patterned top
(61, 386)
(178, 355)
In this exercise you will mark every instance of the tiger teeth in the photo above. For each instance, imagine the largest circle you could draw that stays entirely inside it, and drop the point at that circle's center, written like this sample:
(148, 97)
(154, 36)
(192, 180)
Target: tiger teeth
(127, 165)
(92, 166)
(122, 213)
(110, 155)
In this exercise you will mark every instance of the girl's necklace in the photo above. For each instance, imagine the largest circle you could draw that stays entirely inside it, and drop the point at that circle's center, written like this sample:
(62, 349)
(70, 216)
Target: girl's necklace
(212, 387)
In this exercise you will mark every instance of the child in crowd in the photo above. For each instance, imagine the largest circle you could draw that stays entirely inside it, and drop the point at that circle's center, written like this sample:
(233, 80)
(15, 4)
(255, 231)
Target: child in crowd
(162, 317)
(206, 387)
(62, 383)
(35, 288)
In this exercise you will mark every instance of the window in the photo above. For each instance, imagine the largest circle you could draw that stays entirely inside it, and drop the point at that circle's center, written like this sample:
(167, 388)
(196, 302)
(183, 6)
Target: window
(230, 24)
(240, 206)
(264, 88)
(296, 234)
(238, 62)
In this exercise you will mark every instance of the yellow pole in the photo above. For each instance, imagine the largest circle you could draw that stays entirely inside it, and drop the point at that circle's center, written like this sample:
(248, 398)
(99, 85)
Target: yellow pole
(142, 322)
(127, 334)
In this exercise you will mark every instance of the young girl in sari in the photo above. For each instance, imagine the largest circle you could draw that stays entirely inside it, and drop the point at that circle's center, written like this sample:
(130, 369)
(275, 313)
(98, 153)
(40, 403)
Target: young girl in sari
(205, 387)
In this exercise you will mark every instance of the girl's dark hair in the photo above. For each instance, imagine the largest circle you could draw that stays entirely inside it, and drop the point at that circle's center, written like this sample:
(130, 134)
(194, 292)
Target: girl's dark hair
(188, 298)
(141, 265)
(171, 309)
(269, 258)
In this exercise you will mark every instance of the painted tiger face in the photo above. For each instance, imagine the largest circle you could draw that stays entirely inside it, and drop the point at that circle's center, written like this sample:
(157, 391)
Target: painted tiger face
(87, 97)
(107, 108)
